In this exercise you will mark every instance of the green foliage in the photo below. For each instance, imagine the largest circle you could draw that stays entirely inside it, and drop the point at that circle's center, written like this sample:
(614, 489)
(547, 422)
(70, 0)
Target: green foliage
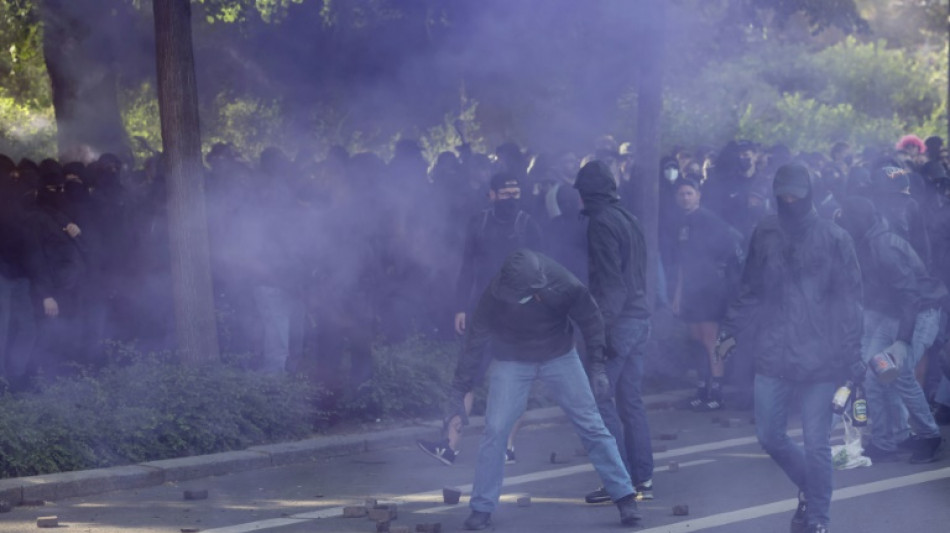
(410, 380)
(148, 409)
(250, 124)
(448, 136)
(26, 131)
(140, 115)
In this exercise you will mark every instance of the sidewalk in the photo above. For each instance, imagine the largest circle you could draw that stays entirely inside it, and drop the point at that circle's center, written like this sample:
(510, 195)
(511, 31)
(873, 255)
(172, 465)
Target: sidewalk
(53, 487)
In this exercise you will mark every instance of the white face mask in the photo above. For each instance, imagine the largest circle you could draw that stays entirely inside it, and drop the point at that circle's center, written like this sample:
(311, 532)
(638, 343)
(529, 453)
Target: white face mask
(526, 299)
(671, 174)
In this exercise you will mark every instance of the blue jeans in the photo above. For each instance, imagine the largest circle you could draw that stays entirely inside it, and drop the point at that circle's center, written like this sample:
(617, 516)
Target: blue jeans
(808, 467)
(509, 384)
(891, 405)
(627, 418)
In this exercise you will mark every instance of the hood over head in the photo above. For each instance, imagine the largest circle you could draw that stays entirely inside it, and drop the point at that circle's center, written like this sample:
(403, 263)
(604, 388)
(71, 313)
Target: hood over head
(596, 183)
(858, 216)
(520, 277)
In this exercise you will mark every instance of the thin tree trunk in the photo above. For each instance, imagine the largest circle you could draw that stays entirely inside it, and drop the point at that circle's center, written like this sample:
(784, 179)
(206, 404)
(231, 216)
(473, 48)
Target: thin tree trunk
(188, 224)
(649, 36)
(79, 60)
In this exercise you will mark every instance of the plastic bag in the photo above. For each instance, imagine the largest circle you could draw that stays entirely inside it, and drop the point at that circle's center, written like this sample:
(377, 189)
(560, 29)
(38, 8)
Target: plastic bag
(849, 454)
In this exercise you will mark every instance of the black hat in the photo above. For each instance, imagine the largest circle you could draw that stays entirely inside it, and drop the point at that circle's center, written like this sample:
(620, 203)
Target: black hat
(595, 178)
(521, 276)
(890, 179)
(792, 179)
(504, 180)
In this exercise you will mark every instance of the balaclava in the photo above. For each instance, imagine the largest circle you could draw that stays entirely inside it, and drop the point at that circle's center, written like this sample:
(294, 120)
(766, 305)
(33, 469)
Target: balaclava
(793, 179)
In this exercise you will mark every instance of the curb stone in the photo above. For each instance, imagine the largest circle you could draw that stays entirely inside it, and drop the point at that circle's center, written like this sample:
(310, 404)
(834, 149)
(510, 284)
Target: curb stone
(52, 487)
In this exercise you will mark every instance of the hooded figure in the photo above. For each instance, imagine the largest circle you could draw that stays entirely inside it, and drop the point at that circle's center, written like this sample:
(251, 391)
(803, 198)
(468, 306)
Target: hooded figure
(902, 307)
(799, 311)
(528, 312)
(617, 259)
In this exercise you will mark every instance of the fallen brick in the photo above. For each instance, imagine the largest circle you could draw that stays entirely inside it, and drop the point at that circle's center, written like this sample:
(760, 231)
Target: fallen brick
(354, 512)
(47, 521)
(451, 495)
(382, 526)
(201, 494)
(379, 515)
(680, 510)
(370, 503)
(433, 527)
(5, 506)
(524, 501)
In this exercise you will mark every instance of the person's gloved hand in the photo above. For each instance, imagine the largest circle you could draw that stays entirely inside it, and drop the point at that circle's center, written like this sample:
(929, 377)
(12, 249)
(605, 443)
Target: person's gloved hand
(898, 352)
(725, 343)
(857, 372)
(599, 383)
(456, 406)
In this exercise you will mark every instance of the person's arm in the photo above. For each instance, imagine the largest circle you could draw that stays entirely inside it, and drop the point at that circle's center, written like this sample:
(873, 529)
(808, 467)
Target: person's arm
(477, 335)
(846, 283)
(466, 278)
(585, 312)
(897, 270)
(741, 310)
(606, 275)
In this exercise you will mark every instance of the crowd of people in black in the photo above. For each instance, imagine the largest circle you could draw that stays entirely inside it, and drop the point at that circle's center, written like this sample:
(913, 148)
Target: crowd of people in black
(316, 259)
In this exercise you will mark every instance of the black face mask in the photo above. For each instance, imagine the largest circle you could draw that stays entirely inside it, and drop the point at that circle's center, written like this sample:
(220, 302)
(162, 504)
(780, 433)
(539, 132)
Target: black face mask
(506, 209)
(794, 211)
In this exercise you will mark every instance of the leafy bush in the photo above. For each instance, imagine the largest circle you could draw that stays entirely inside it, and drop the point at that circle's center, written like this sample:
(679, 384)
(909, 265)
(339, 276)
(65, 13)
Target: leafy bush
(146, 410)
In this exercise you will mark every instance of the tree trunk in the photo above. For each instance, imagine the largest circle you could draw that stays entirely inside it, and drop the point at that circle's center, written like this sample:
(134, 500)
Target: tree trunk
(187, 221)
(649, 39)
(79, 60)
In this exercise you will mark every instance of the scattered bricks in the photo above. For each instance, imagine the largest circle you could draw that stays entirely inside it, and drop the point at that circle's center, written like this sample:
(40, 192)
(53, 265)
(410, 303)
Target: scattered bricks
(47, 521)
(5, 506)
(673, 467)
(524, 501)
(680, 510)
(398, 529)
(196, 494)
(382, 513)
(451, 495)
(434, 527)
(668, 436)
(382, 526)
(371, 503)
(354, 512)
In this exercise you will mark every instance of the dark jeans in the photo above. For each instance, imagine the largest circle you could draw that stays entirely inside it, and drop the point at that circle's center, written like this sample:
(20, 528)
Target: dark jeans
(809, 467)
(626, 416)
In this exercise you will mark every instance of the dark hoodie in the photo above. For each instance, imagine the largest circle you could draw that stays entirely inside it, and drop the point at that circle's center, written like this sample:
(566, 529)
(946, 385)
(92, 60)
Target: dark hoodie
(616, 248)
(799, 304)
(896, 283)
(536, 331)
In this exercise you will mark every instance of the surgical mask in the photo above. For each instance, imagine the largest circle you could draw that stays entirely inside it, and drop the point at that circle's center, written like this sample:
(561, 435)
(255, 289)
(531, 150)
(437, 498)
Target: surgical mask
(671, 174)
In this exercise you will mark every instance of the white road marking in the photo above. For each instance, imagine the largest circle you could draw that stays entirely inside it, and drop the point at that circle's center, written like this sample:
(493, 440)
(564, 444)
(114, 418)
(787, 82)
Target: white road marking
(332, 512)
(758, 511)
(549, 474)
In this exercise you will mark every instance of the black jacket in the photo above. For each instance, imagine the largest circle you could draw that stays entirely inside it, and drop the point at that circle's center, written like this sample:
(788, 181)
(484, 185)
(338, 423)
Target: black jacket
(537, 331)
(488, 241)
(616, 249)
(905, 218)
(799, 304)
(896, 283)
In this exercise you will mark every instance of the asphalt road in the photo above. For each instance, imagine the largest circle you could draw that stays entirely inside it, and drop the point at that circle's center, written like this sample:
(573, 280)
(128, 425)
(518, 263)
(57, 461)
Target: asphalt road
(721, 474)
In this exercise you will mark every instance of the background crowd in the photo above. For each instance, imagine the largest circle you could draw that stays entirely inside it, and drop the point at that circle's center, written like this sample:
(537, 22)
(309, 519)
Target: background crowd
(314, 260)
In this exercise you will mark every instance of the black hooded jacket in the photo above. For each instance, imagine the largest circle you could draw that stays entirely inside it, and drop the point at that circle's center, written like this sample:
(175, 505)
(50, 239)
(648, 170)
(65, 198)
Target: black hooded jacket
(896, 283)
(799, 304)
(617, 254)
(536, 331)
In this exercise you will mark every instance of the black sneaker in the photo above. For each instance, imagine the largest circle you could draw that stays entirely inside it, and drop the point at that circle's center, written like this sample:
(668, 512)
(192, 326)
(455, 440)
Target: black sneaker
(878, 455)
(598, 496)
(798, 519)
(909, 444)
(926, 450)
(477, 521)
(629, 512)
(645, 490)
(510, 456)
(942, 415)
(438, 449)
